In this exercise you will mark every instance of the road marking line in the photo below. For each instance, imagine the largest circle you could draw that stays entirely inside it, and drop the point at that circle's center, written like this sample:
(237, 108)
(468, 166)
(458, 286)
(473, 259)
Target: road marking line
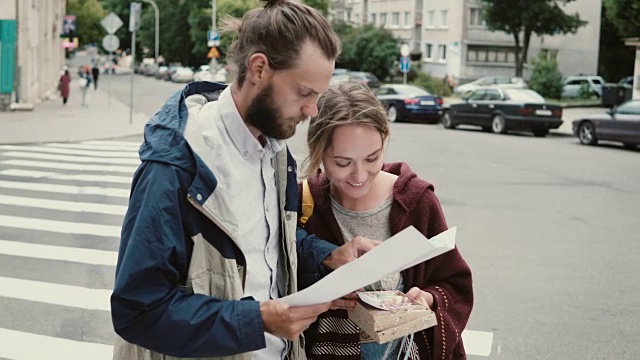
(112, 143)
(74, 177)
(61, 205)
(42, 149)
(59, 253)
(65, 189)
(56, 294)
(477, 343)
(65, 166)
(93, 147)
(22, 345)
(59, 226)
(71, 158)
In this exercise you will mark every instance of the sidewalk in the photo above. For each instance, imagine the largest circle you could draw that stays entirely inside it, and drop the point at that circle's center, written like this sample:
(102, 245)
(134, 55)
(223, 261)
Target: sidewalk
(49, 121)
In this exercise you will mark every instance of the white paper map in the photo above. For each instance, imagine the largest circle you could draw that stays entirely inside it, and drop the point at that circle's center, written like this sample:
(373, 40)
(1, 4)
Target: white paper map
(402, 251)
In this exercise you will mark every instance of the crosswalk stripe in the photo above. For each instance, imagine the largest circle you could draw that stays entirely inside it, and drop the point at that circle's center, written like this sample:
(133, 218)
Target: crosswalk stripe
(42, 149)
(75, 177)
(65, 189)
(59, 226)
(70, 158)
(65, 166)
(112, 143)
(20, 345)
(93, 147)
(58, 253)
(56, 294)
(477, 343)
(61, 205)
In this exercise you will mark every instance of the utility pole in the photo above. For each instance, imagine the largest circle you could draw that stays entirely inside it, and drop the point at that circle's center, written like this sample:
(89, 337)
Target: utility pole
(213, 65)
(157, 12)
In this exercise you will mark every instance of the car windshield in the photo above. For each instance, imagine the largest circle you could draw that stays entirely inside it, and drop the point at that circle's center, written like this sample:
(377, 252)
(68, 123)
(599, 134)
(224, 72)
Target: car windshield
(523, 95)
(630, 107)
(411, 90)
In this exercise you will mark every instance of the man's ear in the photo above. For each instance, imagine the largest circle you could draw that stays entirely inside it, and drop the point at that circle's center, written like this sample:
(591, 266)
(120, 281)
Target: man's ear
(258, 70)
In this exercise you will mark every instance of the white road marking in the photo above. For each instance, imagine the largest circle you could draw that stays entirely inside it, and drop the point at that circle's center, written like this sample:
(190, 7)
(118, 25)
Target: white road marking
(71, 158)
(65, 166)
(58, 253)
(61, 205)
(59, 226)
(135, 144)
(42, 149)
(19, 345)
(65, 189)
(94, 147)
(56, 294)
(477, 343)
(57, 176)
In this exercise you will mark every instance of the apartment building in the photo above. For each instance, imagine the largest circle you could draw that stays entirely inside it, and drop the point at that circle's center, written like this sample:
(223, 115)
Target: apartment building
(454, 40)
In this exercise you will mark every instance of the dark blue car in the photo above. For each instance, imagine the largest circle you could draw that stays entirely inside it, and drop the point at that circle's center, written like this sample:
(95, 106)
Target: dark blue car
(410, 103)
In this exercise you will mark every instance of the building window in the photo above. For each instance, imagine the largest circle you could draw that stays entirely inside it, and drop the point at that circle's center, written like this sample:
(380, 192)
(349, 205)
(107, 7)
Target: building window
(356, 19)
(490, 54)
(444, 21)
(431, 18)
(549, 54)
(383, 19)
(428, 52)
(476, 18)
(373, 19)
(395, 19)
(442, 52)
(407, 18)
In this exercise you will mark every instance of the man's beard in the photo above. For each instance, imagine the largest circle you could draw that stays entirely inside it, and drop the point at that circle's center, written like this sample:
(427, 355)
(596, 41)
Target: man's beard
(263, 115)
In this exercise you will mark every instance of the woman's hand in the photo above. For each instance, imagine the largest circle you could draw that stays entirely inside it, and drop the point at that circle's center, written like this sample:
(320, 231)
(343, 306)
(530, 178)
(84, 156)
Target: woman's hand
(421, 297)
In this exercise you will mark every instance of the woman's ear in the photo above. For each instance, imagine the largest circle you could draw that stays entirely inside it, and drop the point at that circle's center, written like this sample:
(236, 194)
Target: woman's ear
(258, 69)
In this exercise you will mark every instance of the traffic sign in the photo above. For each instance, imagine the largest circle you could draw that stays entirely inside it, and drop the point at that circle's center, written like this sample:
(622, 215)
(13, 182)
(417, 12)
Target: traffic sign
(405, 64)
(213, 53)
(134, 16)
(111, 23)
(404, 50)
(110, 43)
(213, 38)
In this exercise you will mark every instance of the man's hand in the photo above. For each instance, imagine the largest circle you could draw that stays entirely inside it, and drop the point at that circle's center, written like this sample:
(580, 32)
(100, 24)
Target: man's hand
(349, 252)
(347, 302)
(421, 297)
(286, 321)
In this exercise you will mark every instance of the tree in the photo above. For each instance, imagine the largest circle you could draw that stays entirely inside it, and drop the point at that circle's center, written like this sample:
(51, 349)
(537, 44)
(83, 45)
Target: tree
(523, 18)
(616, 60)
(368, 48)
(88, 15)
(546, 79)
(625, 15)
(321, 5)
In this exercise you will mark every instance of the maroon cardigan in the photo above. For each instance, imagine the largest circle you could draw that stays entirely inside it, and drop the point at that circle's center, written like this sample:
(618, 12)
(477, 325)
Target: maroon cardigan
(447, 277)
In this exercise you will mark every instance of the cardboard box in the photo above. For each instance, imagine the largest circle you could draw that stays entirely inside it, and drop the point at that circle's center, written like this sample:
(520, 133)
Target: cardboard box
(384, 325)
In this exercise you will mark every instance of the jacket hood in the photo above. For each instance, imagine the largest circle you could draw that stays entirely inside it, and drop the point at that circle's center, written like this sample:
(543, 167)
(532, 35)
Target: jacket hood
(163, 133)
(406, 191)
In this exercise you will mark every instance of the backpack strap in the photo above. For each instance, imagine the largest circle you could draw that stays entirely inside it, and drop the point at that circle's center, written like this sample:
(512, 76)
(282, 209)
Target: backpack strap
(307, 202)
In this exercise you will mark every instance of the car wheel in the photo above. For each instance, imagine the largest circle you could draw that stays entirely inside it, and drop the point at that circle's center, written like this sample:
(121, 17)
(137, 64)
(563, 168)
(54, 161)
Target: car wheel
(499, 125)
(392, 113)
(446, 121)
(587, 133)
(540, 132)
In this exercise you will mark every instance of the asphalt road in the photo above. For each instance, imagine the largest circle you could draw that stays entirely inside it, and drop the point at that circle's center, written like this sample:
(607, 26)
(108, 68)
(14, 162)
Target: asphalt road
(546, 224)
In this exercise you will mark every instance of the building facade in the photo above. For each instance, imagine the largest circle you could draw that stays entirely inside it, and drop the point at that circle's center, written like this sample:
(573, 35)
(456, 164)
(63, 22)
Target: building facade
(454, 40)
(39, 55)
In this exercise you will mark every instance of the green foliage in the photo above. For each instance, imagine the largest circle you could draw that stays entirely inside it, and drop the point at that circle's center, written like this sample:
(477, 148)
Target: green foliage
(321, 5)
(433, 85)
(368, 49)
(546, 79)
(528, 17)
(88, 15)
(625, 15)
(616, 60)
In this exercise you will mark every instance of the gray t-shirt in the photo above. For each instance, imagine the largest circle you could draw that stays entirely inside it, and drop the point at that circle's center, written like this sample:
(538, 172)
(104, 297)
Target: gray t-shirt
(373, 224)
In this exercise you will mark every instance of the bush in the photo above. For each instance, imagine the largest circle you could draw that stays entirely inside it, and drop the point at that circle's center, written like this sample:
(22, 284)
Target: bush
(433, 85)
(546, 79)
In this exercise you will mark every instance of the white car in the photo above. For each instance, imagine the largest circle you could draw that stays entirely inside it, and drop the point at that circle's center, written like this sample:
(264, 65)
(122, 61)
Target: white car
(501, 81)
(182, 75)
(573, 86)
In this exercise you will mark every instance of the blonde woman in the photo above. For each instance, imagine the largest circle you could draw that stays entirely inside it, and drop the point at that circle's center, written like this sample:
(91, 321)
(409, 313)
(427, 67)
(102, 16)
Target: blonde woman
(356, 194)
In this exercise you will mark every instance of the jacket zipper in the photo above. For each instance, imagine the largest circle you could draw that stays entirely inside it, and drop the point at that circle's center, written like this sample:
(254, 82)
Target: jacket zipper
(222, 227)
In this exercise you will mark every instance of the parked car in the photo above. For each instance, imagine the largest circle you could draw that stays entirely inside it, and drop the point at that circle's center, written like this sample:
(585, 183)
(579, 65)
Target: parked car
(409, 103)
(162, 70)
(501, 110)
(627, 80)
(182, 75)
(338, 78)
(574, 86)
(495, 80)
(621, 124)
(366, 78)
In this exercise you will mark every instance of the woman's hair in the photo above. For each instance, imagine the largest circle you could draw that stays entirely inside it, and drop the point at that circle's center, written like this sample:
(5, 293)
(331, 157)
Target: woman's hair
(345, 103)
(278, 30)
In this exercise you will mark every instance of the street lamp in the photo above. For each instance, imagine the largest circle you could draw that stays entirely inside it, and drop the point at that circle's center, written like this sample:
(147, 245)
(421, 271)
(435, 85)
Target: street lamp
(155, 8)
